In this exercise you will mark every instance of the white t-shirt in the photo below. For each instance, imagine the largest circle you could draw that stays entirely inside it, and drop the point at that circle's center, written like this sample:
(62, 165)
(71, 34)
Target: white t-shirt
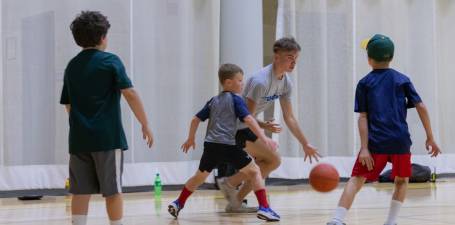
(264, 88)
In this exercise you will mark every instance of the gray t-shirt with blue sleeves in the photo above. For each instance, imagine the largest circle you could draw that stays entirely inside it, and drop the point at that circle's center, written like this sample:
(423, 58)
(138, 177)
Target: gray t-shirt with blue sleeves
(223, 111)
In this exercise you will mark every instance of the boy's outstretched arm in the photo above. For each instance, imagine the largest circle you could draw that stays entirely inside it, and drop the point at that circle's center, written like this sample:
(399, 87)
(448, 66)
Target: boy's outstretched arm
(293, 125)
(190, 142)
(136, 106)
(251, 122)
(364, 154)
(430, 144)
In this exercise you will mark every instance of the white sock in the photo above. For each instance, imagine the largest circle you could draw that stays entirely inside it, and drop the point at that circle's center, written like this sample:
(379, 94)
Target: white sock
(340, 214)
(79, 219)
(395, 207)
(116, 222)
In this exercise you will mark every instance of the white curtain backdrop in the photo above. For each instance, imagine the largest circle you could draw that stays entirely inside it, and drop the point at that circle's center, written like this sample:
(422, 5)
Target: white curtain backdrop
(171, 51)
(332, 62)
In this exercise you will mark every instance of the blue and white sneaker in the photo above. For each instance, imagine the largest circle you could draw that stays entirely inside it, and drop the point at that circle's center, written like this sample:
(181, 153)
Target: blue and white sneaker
(174, 208)
(267, 214)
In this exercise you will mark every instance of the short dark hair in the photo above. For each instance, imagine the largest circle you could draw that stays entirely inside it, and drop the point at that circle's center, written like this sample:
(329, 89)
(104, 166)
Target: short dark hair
(286, 44)
(228, 71)
(89, 28)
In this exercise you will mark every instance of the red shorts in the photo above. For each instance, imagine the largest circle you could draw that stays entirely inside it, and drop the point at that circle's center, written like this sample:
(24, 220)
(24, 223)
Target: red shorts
(401, 166)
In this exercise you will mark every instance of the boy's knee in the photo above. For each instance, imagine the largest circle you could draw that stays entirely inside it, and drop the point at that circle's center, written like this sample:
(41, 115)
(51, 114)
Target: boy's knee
(114, 196)
(400, 181)
(252, 170)
(357, 182)
(275, 162)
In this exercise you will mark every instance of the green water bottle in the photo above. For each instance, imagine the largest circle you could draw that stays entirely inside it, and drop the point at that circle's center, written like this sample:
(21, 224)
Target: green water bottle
(157, 186)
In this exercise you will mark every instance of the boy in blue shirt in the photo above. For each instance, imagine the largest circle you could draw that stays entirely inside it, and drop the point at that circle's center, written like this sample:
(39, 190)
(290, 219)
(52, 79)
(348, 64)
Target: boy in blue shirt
(220, 146)
(93, 84)
(382, 99)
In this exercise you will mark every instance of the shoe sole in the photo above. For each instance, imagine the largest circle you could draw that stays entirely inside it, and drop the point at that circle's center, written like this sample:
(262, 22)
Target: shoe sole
(172, 211)
(262, 217)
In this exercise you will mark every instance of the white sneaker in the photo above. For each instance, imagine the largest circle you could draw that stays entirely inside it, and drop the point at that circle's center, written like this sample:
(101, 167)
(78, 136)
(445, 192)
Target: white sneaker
(244, 208)
(229, 192)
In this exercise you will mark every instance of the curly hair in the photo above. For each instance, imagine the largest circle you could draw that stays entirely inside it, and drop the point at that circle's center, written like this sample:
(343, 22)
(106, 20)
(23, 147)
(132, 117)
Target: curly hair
(89, 28)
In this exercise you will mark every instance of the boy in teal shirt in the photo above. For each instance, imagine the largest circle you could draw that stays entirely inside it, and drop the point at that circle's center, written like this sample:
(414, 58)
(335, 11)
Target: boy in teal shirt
(93, 84)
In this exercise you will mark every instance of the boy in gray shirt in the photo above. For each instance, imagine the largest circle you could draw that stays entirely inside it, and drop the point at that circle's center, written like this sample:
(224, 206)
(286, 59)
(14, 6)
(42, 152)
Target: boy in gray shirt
(262, 89)
(220, 145)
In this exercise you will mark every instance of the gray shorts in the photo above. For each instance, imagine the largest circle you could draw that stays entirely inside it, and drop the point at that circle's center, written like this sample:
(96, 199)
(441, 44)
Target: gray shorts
(96, 172)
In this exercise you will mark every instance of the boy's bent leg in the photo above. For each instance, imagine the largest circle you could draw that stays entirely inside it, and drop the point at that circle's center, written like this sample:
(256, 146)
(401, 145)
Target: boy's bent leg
(255, 178)
(353, 186)
(360, 174)
(245, 165)
(267, 160)
(196, 180)
(190, 186)
(247, 169)
(254, 175)
(350, 190)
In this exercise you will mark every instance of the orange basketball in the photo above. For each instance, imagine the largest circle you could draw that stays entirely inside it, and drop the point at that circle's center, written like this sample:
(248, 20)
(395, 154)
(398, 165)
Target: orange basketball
(324, 177)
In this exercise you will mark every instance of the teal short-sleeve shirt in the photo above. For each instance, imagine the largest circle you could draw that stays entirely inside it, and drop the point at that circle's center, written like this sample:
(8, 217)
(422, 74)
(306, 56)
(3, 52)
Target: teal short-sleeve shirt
(92, 86)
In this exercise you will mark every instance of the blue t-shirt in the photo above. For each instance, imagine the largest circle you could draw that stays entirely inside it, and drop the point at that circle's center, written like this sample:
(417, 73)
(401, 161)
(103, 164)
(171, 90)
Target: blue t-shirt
(223, 111)
(385, 95)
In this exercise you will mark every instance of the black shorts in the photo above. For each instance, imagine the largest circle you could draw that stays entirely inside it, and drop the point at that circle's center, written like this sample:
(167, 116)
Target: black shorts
(244, 135)
(215, 154)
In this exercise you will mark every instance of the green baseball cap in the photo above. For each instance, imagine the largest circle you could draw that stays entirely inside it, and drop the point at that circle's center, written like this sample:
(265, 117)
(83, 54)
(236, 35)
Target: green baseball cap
(379, 47)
